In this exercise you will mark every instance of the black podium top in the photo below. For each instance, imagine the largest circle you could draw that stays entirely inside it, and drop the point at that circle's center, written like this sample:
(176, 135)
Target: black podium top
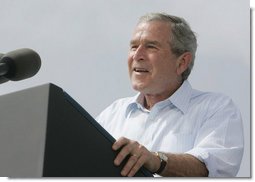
(76, 145)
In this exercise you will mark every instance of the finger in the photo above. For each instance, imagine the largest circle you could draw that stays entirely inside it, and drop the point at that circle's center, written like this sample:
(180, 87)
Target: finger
(139, 163)
(119, 143)
(127, 147)
(123, 153)
(129, 165)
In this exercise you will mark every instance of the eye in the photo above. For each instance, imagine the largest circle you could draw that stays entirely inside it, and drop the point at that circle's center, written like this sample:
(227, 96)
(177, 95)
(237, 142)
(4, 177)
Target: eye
(151, 46)
(133, 47)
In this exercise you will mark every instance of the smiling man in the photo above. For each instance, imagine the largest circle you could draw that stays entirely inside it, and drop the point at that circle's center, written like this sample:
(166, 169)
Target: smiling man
(169, 127)
(154, 69)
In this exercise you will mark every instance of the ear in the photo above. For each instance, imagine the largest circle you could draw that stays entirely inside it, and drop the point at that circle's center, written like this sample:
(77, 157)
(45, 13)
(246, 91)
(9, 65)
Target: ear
(183, 62)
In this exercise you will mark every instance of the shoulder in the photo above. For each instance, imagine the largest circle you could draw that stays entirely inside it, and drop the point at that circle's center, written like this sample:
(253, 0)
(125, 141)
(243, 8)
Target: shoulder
(119, 106)
(212, 98)
(217, 110)
(211, 103)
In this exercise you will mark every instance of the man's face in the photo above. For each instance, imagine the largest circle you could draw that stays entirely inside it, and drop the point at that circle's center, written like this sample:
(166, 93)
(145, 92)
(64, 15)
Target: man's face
(152, 65)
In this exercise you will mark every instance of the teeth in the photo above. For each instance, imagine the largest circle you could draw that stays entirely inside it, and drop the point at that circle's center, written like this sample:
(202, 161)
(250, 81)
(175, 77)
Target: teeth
(140, 70)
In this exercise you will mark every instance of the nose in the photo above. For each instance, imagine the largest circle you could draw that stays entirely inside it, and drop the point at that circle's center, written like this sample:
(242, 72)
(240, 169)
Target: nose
(139, 53)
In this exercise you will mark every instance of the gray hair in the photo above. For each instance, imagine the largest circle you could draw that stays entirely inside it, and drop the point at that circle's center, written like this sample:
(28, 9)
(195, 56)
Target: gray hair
(182, 38)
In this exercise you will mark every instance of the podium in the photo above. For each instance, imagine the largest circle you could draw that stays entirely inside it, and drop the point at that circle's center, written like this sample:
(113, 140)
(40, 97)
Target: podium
(46, 133)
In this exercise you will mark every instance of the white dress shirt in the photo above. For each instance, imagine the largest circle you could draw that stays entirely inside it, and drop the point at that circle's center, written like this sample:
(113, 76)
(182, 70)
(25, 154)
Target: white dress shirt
(205, 125)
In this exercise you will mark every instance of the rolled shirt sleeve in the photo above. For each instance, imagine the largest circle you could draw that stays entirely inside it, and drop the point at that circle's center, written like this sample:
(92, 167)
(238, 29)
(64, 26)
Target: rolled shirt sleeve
(219, 142)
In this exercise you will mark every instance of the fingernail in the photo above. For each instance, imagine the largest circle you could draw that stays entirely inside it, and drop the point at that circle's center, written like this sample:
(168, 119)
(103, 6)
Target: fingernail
(123, 173)
(114, 147)
(116, 162)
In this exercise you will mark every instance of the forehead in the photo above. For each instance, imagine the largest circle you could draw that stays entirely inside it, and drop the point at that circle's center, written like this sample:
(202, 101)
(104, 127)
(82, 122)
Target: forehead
(153, 30)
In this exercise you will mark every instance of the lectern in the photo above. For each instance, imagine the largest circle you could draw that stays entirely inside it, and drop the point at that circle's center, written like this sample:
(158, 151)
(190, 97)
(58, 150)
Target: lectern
(46, 133)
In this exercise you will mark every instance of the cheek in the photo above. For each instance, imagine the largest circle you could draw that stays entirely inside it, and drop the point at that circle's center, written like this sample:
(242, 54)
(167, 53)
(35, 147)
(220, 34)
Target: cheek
(129, 62)
(165, 71)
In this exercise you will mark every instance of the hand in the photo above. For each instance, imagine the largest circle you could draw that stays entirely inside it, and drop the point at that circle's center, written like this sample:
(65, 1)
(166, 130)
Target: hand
(139, 156)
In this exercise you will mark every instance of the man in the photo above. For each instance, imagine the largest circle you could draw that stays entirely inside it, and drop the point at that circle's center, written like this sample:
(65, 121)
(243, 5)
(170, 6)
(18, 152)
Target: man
(168, 127)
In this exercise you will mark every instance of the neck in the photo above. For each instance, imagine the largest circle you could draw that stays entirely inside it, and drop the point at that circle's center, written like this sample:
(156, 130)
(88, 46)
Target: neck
(151, 99)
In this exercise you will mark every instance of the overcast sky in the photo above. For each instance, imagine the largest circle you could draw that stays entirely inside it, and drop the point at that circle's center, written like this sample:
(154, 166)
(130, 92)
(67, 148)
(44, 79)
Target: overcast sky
(84, 44)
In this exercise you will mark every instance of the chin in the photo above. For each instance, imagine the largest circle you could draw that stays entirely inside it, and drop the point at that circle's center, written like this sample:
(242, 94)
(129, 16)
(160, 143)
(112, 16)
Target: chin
(138, 87)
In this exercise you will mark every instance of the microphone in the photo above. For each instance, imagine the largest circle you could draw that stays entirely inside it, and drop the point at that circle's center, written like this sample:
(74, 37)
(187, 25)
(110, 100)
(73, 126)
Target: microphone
(2, 79)
(19, 64)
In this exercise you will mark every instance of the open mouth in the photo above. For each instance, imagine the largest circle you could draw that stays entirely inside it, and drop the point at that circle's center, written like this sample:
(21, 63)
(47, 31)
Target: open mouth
(141, 70)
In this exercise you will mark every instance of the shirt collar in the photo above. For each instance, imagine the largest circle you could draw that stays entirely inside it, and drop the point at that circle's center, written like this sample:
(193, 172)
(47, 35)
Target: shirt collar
(135, 102)
(182, 96)
(180, 99)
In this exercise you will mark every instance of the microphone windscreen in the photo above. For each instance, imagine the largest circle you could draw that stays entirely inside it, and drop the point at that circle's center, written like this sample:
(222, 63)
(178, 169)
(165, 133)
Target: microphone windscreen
(23, 63)
(2, 78)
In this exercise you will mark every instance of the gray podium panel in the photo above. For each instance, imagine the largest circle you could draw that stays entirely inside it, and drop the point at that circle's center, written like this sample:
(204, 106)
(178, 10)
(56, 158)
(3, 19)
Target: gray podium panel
(23, 119)
(45, 133)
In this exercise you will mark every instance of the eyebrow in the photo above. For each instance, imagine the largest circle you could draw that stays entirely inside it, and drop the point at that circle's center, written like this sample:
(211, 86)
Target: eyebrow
(132, 42)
